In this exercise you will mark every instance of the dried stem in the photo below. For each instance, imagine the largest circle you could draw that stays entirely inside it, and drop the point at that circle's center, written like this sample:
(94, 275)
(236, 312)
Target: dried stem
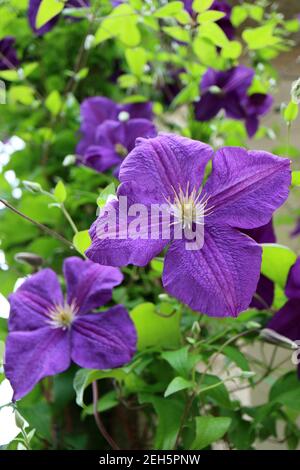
(98, 419)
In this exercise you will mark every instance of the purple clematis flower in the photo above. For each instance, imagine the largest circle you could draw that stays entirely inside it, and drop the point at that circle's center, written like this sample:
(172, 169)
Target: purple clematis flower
(109, 131)
(286, 321)
(228, 91)
(265, 288)
(47, 331)
(34, 8)
(242, 192)
(218, 5)
(8, 55)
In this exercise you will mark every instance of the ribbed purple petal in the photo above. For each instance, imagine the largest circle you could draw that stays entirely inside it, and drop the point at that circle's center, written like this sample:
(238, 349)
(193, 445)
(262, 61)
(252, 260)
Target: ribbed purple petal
(239, 80)
(32, 355)
(164, 164)
(292, 289)
(103, 340)
(287, 320)
(30, 304)
(246, 187)
(100, 158)
(221, 278)
(118, 249)
(88, 284)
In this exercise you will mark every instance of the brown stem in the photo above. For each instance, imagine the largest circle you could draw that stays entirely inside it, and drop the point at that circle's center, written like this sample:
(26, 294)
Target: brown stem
(42, 227)
(98, 419)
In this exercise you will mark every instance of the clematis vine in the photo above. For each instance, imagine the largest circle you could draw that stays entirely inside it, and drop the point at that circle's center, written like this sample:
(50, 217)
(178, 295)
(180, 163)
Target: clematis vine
(109, 131)
(34, 6)
(286, 321)
(242, 192)
(229, 91)
(8, 55)
(48, 331)
(218, 5)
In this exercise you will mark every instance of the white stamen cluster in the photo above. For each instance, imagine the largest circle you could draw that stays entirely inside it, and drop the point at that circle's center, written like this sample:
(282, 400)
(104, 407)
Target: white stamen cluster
(62, 316)
(188, 207)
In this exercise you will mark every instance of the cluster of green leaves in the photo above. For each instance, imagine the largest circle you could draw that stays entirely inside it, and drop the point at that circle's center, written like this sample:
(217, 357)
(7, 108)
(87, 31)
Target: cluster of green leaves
(179, 389)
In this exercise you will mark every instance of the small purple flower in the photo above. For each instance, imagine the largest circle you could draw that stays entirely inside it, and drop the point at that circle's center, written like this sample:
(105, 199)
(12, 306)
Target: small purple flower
(228, 91)
(47, 331)
(8, 55)
(218, 5)
(286, 321)
(265, 288)
(242, 192)
(34, 8)
(109, 131)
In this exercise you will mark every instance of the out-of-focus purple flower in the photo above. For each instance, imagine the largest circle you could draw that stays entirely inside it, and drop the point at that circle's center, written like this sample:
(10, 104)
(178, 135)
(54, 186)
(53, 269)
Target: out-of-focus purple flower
(286, 321)
(8, 55)
(47, 331)
(265, 289)
(296, 230)
(109, 131)
(242, 192)
(228, 90)
(218, 5)
(34, 8)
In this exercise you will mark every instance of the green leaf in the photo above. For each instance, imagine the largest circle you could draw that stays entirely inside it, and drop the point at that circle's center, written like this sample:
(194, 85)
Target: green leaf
(48, 9)
(208, 430)
(82, 241)
(177, 384)
(60, 192)
(21, 94)
(231, 50)
(239, 15)
(236, 356)
(178, 359)
(177, 33)
(54, 103)
(84, 377)
(169, 10)
(291, 112)
(261, 37)
(211, 15)
(106, 194)
(277, 261)
(169, 413)
(201, 5)
(296, 178)
(121, 23)
(214, 33)
(154, 330)
(136, 59)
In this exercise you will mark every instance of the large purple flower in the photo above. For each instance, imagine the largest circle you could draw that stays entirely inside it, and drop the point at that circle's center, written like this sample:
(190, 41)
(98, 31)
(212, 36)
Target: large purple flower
(228, 91)
(264, 295)
(218, 5)
(242, 192)
(34, 8)
(8, 55)
(286, 321)
(47, 331)
(109, 131)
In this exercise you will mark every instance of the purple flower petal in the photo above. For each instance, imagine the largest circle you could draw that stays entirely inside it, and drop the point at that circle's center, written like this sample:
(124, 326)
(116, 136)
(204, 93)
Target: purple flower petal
(32, 355)
(8, 55)
(246, 187)
(208, 106)
(292, 289)
(286, 321)
(121, 250)
(30, 304)
(103, 340)
(163, 164)
(221, 278)
(88, 284)
(100, 158)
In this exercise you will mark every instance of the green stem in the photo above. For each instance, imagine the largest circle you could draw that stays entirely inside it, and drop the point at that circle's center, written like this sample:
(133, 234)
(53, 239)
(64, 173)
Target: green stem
(69, 218)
